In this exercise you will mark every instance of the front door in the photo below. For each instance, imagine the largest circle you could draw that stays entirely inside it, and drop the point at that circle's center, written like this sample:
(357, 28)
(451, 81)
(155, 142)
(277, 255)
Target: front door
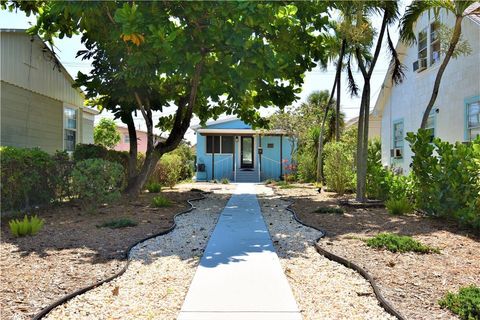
(246, 153)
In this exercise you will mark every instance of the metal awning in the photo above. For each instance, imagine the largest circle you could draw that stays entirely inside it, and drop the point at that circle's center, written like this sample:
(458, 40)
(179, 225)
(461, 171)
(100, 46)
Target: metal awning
(240, 132)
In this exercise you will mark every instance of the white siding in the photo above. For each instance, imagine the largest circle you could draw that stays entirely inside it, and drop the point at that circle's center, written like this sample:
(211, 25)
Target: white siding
(44, 77)
(408, 100)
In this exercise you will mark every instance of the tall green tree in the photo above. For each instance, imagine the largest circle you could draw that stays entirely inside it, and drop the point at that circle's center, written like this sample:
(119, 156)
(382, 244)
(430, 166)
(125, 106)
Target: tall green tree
(106, 134)
(202, 58)
(460, 9)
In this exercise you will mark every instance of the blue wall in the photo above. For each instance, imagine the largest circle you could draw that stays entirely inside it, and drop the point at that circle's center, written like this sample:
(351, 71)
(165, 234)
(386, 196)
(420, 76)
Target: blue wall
(271, 159)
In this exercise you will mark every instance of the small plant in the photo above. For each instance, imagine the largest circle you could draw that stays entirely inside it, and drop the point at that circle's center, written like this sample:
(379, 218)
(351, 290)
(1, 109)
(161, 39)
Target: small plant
(270, 181)
(154, 187)
(284, 185)
(160, 202)
(465, 303)
(118, 223)
(397, 243)
(25, 227)
(399, 206)
(225, 181)
(337, 210)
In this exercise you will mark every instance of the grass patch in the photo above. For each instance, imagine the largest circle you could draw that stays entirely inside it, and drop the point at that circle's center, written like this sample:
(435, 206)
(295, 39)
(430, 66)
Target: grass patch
(118, 223)
(225, 181)
(154, 187)
(160, 202)
(465, 303)
(336, 210)
(270, 181)
(398, 206)
(284, 185)
(396, 243)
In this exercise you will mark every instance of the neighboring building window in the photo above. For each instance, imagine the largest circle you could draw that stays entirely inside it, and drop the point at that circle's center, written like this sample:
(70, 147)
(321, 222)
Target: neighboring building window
(473, 120)
(222, 144)
(70, 128)
(430, 127)
(422, 44)
(270, 145)
(434, 43)
(126, 138)
(398, 139)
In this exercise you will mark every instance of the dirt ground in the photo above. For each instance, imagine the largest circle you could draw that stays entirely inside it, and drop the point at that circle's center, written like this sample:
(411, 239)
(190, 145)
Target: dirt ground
(71, 252)
(412, 282)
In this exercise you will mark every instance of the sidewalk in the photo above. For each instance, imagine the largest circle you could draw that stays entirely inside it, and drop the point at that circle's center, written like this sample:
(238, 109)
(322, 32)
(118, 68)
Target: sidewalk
(239, 276)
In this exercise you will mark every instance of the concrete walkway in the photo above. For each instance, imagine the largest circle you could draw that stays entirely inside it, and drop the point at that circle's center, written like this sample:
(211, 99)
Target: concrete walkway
(239, 276)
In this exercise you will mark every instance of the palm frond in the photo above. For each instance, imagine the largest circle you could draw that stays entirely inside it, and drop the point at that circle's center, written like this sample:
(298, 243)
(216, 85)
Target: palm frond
(352, 84)
(397, 68)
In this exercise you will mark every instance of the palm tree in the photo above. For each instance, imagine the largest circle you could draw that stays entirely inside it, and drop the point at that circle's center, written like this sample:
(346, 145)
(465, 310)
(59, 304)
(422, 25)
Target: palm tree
(362, 39)
(460, 9)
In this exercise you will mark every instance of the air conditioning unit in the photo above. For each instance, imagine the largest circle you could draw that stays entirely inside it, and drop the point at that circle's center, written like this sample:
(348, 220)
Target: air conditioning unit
(420, 65)
(396, 153)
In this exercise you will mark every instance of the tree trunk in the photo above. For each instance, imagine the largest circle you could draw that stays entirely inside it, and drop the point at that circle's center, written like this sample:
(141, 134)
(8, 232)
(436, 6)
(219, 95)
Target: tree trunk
(136, 184)
(132, 134)
(339, 92)
(362, 143)
(457, 31)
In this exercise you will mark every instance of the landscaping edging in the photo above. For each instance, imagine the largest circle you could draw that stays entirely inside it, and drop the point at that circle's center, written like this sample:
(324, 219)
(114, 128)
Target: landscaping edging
(70, 296)
(383, 302)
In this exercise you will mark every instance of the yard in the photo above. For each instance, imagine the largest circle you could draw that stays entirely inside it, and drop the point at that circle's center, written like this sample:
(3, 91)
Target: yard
(72, 251)
(412, 282)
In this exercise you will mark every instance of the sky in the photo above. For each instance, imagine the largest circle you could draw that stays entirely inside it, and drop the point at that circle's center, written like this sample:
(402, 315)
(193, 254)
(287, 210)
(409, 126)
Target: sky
(316, 79)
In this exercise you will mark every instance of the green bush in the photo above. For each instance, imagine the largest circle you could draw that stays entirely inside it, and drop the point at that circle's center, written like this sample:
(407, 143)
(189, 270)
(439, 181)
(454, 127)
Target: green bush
(377, 182)
(25, 227)
(337, 210)
(160, 202)
(396, 243)
(118, 223)
(168, 170)
(339, 167)
(446, 177)
(62, 175)
(94, 151)
(398, 206)
(97, 181)
(153, 187)
(225, 181)
(27, 177)
(465, 303)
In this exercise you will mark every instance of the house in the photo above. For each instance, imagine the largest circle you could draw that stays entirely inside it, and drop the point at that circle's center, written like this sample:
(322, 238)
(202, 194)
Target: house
(124, 144)
(374, 124)
(456, 113)
(230, 149)
(39, 106)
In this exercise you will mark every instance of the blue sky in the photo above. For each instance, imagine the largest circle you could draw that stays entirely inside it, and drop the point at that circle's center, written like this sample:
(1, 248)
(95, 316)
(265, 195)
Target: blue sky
(315, 80)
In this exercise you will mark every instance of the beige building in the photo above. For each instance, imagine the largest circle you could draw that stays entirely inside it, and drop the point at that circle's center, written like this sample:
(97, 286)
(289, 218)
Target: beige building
(374, 125)
(38, 105)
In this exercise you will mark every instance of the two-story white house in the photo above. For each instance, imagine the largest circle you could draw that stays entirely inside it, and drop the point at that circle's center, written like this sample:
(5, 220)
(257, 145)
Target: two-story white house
(456, 113)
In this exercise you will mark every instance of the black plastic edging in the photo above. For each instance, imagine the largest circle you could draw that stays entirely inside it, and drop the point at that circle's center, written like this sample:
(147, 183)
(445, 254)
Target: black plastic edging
(383, 302)
(68, 297)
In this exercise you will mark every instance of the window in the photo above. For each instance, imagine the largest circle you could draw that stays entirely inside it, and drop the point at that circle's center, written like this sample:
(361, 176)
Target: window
(431, 124)
(223, 144)
(473, 120)
(422, 44)
(126, 138)
(270, 145)
(398, 139)
(70, 128)
(434, 43)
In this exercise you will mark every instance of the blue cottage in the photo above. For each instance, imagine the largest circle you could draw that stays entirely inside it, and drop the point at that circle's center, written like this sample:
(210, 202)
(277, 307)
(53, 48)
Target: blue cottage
(229, 148)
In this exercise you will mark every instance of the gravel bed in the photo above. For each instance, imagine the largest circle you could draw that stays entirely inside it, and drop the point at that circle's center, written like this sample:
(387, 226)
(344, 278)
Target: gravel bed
(322, 288)
(157, 279)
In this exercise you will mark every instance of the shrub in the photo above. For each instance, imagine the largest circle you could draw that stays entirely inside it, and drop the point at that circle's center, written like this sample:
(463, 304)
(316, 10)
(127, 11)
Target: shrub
(446, 177)
(337, 210)
(396, 243)
(465, 303)
(225, 181)
(106, 134)
(94, 151)
(307, 165)
(97, 181)
(270, 181)
(168, 170)
(27, 178)
(339, 167)
(21, 228)
(153, 187)
(118, 223)
(399, 206)
(62, 175)
(160, 202)
(377, 182)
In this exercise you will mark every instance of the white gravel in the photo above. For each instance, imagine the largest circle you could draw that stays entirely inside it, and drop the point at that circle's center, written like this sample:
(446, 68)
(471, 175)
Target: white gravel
(322, 288)
(157, 279)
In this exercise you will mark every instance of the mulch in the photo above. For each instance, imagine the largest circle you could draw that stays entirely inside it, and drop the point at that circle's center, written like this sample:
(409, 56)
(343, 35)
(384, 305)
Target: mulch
(412, 282)
(71, 252)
